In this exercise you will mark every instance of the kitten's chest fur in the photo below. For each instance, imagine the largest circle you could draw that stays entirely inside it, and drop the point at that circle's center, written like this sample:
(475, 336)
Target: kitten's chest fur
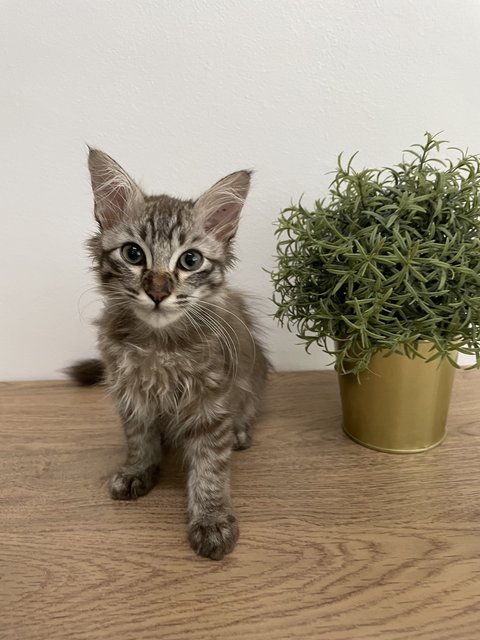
(151, 376)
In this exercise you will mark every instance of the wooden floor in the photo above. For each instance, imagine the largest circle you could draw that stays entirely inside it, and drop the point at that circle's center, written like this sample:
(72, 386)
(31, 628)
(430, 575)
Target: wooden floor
(337, 541)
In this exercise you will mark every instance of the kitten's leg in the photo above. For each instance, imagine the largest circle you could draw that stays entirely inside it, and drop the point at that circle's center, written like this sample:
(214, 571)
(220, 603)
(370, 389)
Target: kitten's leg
(140, 471)
(212, 528)
(243, 423)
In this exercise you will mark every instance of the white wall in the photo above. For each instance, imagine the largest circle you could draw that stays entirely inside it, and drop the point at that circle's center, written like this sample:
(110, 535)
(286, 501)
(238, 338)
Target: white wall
(182, 92)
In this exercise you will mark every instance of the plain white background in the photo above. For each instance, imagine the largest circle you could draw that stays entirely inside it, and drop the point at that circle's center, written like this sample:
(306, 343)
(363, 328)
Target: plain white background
(183, 92)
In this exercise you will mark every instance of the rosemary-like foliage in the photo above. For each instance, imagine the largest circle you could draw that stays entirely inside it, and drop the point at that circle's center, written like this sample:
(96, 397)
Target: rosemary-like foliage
(391, 258)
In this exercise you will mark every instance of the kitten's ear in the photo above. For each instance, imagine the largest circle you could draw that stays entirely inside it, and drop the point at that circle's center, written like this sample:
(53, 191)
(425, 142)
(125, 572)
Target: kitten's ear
(221, 205)
(114, 192)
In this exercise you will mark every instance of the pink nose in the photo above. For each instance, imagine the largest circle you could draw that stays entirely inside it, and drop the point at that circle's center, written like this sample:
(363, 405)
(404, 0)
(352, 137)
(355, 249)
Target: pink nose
(157, 286)
(158, 295)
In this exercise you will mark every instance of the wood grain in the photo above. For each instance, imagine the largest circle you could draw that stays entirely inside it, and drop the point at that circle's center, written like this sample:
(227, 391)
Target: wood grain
(337, 541)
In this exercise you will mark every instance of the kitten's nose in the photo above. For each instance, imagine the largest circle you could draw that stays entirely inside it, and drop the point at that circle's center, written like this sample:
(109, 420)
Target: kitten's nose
(158, 286)
(157, 296)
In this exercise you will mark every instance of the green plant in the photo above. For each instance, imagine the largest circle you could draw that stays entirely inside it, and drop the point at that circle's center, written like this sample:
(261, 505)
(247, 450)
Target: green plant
(392, 258)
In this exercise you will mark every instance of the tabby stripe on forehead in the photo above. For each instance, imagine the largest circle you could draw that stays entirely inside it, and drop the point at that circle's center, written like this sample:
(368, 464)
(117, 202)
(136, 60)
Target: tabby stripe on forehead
(142, 232)
(152, 228)
(170, 233)
(173, 226)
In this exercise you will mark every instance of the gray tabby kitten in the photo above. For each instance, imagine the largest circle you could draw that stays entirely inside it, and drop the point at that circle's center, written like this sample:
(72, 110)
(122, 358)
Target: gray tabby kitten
(178, 354)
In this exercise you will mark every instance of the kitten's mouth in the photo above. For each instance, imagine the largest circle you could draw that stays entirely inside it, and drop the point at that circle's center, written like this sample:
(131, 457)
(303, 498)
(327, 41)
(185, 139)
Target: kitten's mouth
(161, 310)
(157, 316)
(157, 311)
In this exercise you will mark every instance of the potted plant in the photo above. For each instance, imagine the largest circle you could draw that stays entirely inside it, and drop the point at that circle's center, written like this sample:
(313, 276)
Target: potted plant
(384, 274)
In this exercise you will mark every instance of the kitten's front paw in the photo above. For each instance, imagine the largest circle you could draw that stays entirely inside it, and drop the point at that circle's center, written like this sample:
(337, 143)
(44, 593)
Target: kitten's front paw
(214, 536)
(126, 485)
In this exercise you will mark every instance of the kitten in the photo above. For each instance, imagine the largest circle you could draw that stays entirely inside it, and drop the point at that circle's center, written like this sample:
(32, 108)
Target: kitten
(178, 353)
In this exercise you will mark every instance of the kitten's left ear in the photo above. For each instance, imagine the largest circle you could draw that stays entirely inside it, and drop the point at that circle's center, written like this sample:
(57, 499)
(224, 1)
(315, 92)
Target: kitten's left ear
(221, 205)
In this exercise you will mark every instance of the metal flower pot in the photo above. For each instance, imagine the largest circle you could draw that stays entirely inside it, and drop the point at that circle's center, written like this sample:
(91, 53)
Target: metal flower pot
(401, 404)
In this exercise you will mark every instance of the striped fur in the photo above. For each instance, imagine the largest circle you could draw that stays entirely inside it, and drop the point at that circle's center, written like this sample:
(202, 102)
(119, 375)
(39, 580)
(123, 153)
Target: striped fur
(188, 372)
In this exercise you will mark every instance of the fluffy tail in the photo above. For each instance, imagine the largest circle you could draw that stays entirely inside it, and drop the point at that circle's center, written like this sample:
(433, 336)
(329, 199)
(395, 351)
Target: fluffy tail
(86, 373)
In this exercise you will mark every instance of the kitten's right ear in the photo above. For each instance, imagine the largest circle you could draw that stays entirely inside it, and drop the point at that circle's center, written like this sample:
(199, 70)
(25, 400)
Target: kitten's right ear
(114, 192)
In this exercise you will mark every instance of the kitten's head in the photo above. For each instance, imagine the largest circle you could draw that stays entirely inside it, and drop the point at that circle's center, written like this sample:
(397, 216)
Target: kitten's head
(157, 255)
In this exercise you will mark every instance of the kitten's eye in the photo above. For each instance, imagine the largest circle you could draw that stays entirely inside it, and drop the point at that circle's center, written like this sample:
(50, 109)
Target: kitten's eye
(190, 260)
(133, 254)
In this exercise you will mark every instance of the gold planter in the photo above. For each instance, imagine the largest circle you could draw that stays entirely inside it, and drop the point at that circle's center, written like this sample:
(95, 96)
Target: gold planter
(400, 405)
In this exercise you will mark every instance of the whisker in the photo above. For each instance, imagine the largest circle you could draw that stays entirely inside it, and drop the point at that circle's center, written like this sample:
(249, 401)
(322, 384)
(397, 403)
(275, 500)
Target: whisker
(222, 337)
(217, 328)
(239, 319)
(200, 332)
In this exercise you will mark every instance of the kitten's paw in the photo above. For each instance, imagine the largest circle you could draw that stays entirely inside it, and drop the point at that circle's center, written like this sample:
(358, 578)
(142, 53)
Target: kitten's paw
(242, 440)
(126, 485)
(214, 536)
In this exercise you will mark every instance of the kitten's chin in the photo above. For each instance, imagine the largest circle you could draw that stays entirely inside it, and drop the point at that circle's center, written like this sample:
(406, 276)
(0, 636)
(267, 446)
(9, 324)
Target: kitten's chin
(157, 319)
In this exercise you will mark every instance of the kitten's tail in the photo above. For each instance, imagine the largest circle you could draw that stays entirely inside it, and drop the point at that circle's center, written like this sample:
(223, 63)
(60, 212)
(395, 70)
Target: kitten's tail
(86, 373)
